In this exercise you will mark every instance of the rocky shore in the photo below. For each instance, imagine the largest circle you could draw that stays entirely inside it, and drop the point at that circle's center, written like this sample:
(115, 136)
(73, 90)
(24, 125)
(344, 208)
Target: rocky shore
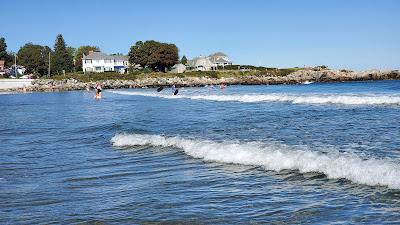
(298, 77)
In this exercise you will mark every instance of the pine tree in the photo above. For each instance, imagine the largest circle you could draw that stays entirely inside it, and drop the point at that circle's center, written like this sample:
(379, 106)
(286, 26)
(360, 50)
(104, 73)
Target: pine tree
(3, 48)
(184, 60)
(61, 58)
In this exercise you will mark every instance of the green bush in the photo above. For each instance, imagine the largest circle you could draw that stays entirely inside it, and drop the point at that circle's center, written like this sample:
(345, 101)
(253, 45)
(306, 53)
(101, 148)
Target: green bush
(146, 70)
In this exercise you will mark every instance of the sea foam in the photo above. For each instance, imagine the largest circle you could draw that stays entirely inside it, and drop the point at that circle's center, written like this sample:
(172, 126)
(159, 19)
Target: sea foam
(6, 93)
(348, 99)
(276, 157)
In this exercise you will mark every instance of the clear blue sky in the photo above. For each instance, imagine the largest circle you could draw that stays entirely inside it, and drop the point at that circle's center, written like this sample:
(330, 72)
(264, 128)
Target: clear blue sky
(356, 34)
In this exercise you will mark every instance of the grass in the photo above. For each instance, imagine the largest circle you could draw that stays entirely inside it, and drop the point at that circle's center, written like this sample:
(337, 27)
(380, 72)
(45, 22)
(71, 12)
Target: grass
(282, 72)
(96, 76)
(145, 74)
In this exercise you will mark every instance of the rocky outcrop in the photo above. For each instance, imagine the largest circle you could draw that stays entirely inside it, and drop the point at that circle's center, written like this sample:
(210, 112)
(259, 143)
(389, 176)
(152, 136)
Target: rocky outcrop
(301, 76)
(330, 75)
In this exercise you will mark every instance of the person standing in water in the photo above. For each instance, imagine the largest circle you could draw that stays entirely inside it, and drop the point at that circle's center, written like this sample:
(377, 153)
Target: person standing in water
(98, 91)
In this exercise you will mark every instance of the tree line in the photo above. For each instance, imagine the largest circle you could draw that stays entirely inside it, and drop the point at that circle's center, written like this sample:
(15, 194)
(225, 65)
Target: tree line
(35, 58)
(153, 55)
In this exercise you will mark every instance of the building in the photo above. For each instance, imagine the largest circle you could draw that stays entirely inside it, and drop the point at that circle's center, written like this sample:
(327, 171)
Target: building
(99, 62)
(201, 63)
(178, 68)
(2, 65)
(20, 70)
(220, 59)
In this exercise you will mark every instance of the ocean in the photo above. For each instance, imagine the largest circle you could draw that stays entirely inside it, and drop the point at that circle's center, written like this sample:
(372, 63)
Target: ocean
(320, 153)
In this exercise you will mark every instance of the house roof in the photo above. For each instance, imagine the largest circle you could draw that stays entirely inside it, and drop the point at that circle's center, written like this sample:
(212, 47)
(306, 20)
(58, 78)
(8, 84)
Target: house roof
(217, 54)
(220, 57)
(120, 57)
(178, 65)
(200, 61)
(96, 55)
(100, 56)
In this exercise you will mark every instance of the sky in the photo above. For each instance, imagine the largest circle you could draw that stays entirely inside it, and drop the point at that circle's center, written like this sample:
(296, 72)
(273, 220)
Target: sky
(352, 34)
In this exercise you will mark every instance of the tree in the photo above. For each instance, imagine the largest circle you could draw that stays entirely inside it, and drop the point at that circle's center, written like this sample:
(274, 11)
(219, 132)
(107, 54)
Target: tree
(138, 54)
(165, 57)
(153, 54)
(9, 59)
(3, 48)
(184, 60)
(71, 52)
(61, 59)
(34, 58)
(80, 52)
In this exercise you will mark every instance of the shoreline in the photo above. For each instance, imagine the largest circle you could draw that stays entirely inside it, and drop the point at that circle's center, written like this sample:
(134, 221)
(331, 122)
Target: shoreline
(298, 77)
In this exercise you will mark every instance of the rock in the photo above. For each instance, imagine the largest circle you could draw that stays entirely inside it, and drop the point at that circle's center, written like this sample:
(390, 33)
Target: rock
(299, 76)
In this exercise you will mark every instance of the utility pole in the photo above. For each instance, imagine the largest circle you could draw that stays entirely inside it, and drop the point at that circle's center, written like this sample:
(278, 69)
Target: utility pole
(48, 74)
(15, 66)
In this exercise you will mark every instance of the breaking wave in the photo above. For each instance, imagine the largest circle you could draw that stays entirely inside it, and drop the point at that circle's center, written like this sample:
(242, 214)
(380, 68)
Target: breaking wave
(276, 157)
(294, 99)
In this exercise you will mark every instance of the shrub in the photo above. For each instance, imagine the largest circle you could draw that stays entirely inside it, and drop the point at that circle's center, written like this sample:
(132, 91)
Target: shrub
(146, 70)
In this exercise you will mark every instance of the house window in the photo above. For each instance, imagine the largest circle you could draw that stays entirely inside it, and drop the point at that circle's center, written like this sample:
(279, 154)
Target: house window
(107, 61)
(88, 61)
(98, 68)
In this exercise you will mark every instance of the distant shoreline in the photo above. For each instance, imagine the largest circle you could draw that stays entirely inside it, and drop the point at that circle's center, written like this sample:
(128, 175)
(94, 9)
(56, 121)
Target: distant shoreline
(181, 80)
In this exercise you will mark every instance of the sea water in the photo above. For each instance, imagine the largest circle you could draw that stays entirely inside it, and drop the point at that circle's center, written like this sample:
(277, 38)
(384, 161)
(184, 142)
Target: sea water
(316, 153)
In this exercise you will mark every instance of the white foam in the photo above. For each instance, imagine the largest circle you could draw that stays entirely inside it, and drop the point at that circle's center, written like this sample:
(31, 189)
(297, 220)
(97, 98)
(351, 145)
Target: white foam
(6, 93)
(277, 157)
(291, 98)
(146, 94)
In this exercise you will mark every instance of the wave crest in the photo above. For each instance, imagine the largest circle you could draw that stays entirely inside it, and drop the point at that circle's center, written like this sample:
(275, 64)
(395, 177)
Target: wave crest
(277, 157)
(294, 99)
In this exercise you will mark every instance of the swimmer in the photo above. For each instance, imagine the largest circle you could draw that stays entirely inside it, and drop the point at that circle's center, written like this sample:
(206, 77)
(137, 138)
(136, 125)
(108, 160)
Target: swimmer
(98, 91)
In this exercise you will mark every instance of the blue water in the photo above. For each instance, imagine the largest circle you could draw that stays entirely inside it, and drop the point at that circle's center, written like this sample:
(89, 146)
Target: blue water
(318, 153)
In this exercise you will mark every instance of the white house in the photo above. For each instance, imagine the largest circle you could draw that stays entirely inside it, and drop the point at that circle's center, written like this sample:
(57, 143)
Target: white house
(201, 63)
(99, 62)
(220, 59)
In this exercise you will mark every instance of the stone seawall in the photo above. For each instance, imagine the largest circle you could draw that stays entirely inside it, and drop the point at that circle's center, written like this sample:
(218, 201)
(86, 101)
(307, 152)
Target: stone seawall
(6, 84)
(298, 77)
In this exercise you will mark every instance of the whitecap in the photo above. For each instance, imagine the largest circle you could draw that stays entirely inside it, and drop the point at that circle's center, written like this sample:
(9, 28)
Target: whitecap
(277, 157)
(348, 99)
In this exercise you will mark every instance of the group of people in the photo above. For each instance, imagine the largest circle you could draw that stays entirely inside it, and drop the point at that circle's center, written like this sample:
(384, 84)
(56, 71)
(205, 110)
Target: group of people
(173, 88)
(221, 86)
